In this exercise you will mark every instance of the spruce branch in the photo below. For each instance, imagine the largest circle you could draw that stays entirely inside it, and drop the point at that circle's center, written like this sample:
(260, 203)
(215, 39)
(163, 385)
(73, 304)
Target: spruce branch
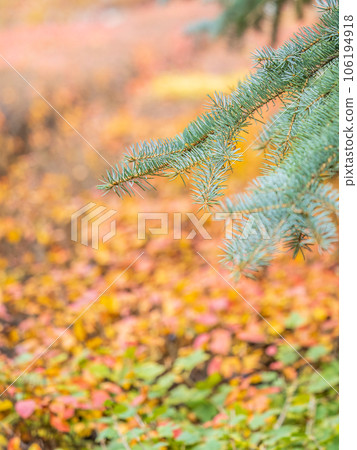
(290, 198)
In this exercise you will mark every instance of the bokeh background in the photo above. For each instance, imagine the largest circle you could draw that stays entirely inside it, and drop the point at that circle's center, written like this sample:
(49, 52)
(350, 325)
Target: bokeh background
(122, 71)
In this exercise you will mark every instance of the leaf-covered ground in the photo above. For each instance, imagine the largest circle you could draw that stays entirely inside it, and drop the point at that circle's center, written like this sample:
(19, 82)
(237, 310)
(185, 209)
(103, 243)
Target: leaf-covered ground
(170, 356)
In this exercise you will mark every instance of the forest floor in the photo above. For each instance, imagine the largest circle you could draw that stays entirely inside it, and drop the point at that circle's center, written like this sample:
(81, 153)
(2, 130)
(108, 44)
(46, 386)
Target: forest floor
(171, 354)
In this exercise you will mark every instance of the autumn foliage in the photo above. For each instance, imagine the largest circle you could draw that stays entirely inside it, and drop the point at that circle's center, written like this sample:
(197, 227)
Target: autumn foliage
(170, 356)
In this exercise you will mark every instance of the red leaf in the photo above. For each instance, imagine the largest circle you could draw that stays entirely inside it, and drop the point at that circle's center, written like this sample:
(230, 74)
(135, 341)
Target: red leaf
(200, 341)
(255, 338)
(98, 398)
(221, 342)
(59, 424)
(176, 432)
(14, 444)
(214, 365)
(219, 304)
(271, 350)
(138, 400)
(25, 408)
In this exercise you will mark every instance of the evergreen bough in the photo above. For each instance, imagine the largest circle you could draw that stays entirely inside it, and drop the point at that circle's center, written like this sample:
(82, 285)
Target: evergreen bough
(239, 15)
(291, 199)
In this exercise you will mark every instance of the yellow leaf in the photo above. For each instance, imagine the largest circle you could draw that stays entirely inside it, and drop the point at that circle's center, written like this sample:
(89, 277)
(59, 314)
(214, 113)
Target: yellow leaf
(34, 447)
(319, 314)
(5, 405)
(110, 303)
(14, 335)
(192, 85)
(13, 236)
(79, 330)
(42, 237)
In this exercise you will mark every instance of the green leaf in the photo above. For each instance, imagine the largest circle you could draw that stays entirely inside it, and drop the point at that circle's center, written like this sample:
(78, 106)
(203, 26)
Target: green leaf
(189, 438)
(209, 382)
(100, 371)
(23, 358)
(162, 385)
(219, 398)
(115, 446)
(268, 377)
(315, 353)
(204, 411)
(157, 412)
(334, 445)
(191, 361)
(283, 432)
(166, 431)
(236, 419)
(108, 433)
(259, 419)
(329, 373)
(287, 355)
(130, 352)
(149, 371)
(209, 445)
(294, 320)
(122, 413)
(119, 408)
(186, 395)
(134, 433)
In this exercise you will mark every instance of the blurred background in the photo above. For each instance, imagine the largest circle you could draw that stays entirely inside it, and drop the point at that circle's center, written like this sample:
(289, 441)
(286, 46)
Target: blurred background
(121, 71)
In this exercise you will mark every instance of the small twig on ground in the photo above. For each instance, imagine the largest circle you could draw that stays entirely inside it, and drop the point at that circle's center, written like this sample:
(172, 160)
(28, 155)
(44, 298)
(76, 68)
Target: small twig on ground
(284, 411)
(123, 439)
